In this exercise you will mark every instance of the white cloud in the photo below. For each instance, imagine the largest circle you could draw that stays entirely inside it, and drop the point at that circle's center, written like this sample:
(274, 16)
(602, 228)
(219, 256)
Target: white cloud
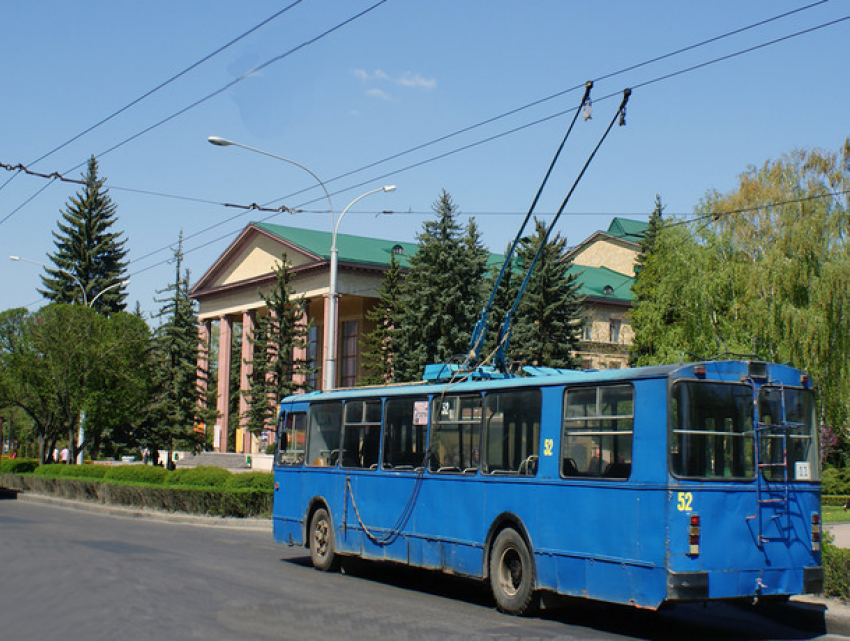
(410, 79)
(379, 93)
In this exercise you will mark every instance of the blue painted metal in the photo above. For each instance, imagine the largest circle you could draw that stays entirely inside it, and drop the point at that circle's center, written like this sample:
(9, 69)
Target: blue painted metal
(605, 539)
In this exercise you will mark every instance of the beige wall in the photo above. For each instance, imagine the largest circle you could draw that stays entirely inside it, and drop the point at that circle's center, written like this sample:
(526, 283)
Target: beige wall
(608, 252)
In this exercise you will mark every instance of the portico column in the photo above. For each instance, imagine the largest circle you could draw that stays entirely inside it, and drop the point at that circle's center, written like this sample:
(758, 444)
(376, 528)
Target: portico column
(203, 359)
(224, 348)
(327, 336)
(246, 367)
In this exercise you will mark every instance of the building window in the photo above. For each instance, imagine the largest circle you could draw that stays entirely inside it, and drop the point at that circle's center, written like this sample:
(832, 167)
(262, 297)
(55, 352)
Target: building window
(587, 329)
(614, 330)
(398, 250)
(348, 356)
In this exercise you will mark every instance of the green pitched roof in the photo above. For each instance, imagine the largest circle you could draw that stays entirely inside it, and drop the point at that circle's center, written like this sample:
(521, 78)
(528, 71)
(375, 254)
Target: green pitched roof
(601, 282)
(355, 249)
(627, 229)
(376, 251)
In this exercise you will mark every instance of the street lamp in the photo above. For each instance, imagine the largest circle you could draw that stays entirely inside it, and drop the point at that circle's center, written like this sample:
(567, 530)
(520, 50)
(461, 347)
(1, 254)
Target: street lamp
(330, 364)
(330, 358)
(81, 436)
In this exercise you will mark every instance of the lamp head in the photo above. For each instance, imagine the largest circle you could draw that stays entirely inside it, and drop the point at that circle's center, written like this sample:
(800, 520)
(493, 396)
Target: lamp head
(220, 142)
(389, 187)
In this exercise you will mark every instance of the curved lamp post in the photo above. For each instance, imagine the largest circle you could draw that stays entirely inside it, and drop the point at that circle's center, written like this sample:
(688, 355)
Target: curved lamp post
(330, 351)
(330, 368)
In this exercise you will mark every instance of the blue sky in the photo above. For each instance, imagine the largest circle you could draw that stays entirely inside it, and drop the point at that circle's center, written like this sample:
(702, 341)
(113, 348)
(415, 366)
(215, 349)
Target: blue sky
(403, 78)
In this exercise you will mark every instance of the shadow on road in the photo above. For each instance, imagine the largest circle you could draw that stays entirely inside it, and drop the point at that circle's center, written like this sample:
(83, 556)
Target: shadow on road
(694, 621)
(8, 494)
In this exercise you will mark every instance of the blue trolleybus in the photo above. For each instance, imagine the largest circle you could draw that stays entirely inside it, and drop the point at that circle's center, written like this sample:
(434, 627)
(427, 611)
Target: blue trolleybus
(639, 486)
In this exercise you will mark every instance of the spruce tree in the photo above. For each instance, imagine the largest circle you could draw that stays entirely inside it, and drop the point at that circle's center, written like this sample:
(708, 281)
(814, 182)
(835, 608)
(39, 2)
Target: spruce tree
(89, 260)
(642, 348)
(276, 371)
(547, 327)
(177, 401)
(381, 343)
(441, 294)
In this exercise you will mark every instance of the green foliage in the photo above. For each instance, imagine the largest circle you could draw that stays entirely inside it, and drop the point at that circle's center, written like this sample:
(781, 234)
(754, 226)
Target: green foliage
(60, 470)
(380, 343)
(136, 474)
(766, 271)
(835, 481)
(279, 335)
(18, 466)
(90, 258)
(176, 400)
(263, 481)
(547, 326)
(202, 476)
(441, 294)
(64, 360)
(836, 570)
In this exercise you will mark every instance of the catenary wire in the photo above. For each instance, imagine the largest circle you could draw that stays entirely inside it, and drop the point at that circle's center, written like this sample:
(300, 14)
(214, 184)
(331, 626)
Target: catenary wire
(155, 89)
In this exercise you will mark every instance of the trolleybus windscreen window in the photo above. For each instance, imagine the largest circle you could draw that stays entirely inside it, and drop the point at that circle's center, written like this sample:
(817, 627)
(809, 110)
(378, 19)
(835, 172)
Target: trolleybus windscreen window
(455, 434)
(788, 443)
(712, 430)
(361, 434)
(405, 432)
(324, 423)
(511, 432)
(598, 429)
(291, 437)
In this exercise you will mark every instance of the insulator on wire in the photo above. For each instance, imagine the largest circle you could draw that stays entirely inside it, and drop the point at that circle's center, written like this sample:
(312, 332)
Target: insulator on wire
(587, 112)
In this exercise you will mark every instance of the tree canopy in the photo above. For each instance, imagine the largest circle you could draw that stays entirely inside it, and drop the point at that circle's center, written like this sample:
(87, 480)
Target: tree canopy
(764, 269)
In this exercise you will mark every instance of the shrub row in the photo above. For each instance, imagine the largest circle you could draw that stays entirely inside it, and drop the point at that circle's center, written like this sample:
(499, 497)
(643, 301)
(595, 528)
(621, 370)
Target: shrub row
(835, 481)
(18, 465)
(194, 477)
(836, 570)
(191, 500)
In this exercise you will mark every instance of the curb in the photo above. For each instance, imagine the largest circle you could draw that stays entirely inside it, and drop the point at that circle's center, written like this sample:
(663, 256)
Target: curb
(233, 523)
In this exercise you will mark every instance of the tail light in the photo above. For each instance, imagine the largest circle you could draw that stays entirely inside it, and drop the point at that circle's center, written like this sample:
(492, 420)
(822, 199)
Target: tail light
(693, 535)
(816, 532)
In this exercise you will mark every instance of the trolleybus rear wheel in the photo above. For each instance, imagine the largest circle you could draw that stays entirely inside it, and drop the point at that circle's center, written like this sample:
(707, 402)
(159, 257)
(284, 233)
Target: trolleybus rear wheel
(511, 573)
(322, 543)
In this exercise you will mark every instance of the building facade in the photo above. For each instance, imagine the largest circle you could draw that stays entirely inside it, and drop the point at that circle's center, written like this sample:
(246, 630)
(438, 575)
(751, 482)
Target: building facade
(230, 304)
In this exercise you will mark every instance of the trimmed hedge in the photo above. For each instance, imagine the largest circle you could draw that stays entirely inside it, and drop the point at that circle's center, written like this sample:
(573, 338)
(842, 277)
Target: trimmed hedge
(251, 481)
(836, 570)
(210, 501)
(202, 476)
(63, 471)
(151, 474)
(18, 465)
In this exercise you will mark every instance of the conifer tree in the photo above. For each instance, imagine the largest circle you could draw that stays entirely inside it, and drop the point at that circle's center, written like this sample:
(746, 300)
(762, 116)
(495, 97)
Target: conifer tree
(441, 294)
(547, 326)
(177, 401)
(381, 343)
(276, 369)
(642, 347)
(89, 257)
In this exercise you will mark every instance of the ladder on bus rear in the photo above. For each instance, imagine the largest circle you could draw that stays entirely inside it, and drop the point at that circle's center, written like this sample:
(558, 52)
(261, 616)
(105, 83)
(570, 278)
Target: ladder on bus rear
(773, 495)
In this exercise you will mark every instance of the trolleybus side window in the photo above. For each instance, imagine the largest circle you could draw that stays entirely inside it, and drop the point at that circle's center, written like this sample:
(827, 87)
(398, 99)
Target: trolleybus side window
(324, 423)
(361, 434)
(511, 432)
(405, 433)
(712, 430)
(789, 439)
(455, 434)
(291, 437)
(598, 429)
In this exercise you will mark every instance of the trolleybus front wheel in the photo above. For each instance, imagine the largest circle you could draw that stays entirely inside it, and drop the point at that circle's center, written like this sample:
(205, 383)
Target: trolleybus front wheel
(511, 573)
(322, 543)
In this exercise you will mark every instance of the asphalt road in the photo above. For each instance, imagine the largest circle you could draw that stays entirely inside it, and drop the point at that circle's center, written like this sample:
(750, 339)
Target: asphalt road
(68, 573)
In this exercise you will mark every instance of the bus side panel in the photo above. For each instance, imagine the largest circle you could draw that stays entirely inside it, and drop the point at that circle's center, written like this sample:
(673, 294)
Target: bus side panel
(288, 508)
(376, 505)
(449, 524)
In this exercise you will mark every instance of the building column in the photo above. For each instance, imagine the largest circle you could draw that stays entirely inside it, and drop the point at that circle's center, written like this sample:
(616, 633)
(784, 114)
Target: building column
(245, 369)
(327, 335)
(204, 333)
(225, 340)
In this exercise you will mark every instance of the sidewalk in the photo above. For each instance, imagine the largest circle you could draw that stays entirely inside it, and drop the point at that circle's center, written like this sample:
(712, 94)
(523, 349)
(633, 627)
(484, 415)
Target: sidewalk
(840, 534)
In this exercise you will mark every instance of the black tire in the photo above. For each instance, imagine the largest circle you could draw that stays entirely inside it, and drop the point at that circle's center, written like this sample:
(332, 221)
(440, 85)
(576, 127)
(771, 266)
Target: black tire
(322, 542)
(512, 575)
